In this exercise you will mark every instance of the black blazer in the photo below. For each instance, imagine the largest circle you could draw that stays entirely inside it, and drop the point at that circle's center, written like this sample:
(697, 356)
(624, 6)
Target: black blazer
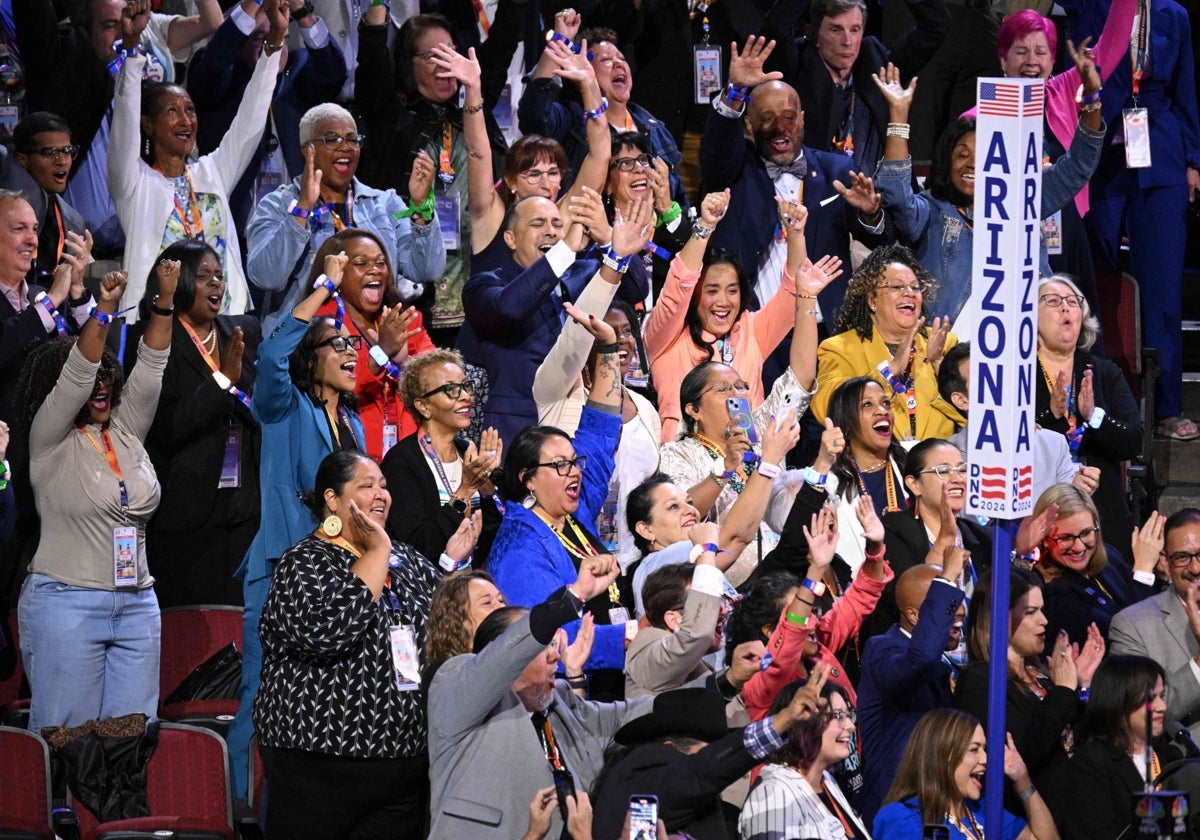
(1073, 602)
(20, 332)
(417, 516)
(187, 440)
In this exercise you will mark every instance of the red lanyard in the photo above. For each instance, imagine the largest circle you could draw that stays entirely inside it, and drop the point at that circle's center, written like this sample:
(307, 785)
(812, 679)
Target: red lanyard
(1139, 48)
(110, 455)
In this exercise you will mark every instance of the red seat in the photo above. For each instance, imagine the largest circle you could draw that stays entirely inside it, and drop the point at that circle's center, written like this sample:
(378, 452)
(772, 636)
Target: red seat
(190, 635)
(187, 788)
(25, 792)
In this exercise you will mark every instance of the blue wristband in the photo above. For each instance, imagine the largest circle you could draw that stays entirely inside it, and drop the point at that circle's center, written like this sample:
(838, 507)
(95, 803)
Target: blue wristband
(327, 283)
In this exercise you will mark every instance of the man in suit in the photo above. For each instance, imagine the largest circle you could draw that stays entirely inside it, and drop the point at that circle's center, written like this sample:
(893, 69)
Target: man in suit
(905, 672)
(1166, 628)
(683, 606)
(514, 314)
(501, 707)
(756, 151)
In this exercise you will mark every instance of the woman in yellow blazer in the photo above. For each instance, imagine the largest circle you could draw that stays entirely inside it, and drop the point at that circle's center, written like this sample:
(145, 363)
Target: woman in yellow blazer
(881, 333)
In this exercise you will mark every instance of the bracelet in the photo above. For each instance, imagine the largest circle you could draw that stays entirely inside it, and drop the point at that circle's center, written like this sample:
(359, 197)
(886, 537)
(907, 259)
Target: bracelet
(576, 682)
(5, 476)
(901, 130)
(472, 109)
(699, 231)
(803, 296)
(103, 318)
(376, 3)
(591, 115)
(601, 349)
(1027, 794)
(1089, 98)
(1091, 107)
(271, 49)
(166, 313)
(1085, 693)
(769, 471)
(299, 212)
(798, 620)
(60, 323)
(1028, 560)
(673, 213)
(327, 283)
(817, 587)
(811, 476)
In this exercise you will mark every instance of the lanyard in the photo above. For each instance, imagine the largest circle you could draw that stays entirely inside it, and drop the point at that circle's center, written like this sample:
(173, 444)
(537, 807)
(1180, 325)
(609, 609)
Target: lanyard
(343, 417)
(542, 722)
(905, 387)
(62, 233)
(191, 219)
(1074, 428)
(889, 483)
(431, 453)
(966, 217)
(1139, 48)
(725, 347)
(218, 377)
(110, 455)
(327, 209)
(843, 141)
(481, 15)
(583, 550)
(446, 171)
(738, 481)
(833, 806)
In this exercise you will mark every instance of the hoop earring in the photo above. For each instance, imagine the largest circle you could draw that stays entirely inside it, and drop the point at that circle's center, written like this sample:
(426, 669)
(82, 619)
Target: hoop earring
(332, 525)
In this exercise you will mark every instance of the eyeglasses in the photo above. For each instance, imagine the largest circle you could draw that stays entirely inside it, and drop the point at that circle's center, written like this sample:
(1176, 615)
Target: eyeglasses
(843, 715)
(1182, 559)
(342, 343)
(899, 289)
(51, 152)
(362, 262)
(453, 390)
(564, 466)
(626, 164)
(426, 56)
(331, 140)
(1055, 301)
(626, 333)
(944, 471)
(535, 176)
(723, 388)
(1087, 536)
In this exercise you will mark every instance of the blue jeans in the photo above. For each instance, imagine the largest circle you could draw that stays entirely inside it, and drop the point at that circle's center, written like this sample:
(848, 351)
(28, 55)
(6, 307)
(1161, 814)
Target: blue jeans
(89, 653)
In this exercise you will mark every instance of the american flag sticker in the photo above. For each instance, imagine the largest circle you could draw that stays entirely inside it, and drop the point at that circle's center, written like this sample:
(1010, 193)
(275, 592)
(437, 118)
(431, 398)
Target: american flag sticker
(1000, 100)
(992, 483)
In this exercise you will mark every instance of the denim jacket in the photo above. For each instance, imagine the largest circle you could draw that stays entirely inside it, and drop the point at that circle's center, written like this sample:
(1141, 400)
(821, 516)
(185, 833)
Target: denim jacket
(941, 237)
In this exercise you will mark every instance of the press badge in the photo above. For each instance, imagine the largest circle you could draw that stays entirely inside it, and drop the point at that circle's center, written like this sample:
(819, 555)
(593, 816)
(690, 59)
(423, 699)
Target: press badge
(447, 216)
(231, 464)
(390, 433)
(1052, 233)
(125, 556)
(404, 657)
(1136, 122)
(706, 72)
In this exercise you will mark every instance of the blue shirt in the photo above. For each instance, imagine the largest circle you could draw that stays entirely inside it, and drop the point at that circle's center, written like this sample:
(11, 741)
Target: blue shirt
(902, 821)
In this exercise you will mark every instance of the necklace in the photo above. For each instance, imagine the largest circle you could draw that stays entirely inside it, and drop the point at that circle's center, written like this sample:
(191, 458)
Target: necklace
(210, 343)
(970, 829)
(873, 467)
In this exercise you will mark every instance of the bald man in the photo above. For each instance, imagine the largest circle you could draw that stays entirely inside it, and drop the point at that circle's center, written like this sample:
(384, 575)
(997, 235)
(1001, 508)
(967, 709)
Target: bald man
(905, 672)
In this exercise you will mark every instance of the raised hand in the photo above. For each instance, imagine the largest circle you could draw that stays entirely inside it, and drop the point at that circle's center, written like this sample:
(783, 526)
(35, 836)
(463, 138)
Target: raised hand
(1034, 529)
(594, 576)
(1088, 657)
(736, 446)
(1087, 479)
(231, 359)
(1061, 663)
(310, 183)
(587, 209)
(822, 541)
(1087, 396)
(860, 194)
(780, 438)
(567, 22)
(808, 700)
(713, 208)
(167, 272)
(660, 185)
(420, 179)
(112, 286)
(492, 447)
(601, 330)
(812, 278)
(569, 66)
(133, 22)
(1014, 765)
(864, 509)
(899, 98)
(451, 65)
(78, 254)
(279, 13)
(466, 535)
(1148, 542)
(335, 264)
(704, 532)
(935, 346)
(477, 468)
(1085, 63)
(632, 229)
(576, 654)
(746, 662)
(746, 66)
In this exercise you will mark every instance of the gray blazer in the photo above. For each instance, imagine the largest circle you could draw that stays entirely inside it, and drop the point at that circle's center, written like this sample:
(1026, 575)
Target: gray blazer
(485, 759)
(1158, 628)
(659, 660)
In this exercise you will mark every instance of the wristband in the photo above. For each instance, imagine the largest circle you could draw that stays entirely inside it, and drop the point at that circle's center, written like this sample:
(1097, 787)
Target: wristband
(617, 264)
(1028, 793)
(5, 476)
(1097, 418)
(446, 561)
(1085, 692)
(472, 109)
(551, 36)
(595, 114)
(576, 682)
(1026, 560)
(735, 94)
(673, 213)
(769, 471)
(601, 349)
(813, 477)
(325, 282)
(817, 587)
(901, 130)
(103, 318)
(60, 323)
(271, 49)
(1091, 107)
(425, 209)
(379, 356)
(296, 210)
(699, 231)
(798, 620)
(1089, 98)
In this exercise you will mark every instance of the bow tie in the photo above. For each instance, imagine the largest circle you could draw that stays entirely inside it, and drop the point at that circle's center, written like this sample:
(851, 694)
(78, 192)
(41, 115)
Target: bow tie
(797, 167)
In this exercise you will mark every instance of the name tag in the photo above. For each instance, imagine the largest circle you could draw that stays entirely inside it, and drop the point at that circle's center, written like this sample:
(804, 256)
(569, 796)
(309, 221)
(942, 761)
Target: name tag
(1136, 122)
(125, 556)
(404, 657)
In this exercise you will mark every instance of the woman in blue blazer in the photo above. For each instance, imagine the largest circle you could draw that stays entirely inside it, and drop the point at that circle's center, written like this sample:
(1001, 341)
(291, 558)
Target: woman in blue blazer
(304, 403)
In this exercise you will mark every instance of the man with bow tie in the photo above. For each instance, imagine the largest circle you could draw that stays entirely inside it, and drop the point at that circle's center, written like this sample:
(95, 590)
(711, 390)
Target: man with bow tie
(753, 144)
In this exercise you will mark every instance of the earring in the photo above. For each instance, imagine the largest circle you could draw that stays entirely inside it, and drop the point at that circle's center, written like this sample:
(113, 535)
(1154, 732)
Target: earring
(872, 308)
(146, 147)
(529, 502)
(916, 508)
(332, 526)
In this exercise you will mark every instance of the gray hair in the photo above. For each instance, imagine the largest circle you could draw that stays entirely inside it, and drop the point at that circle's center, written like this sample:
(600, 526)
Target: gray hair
(1089, 329)
(12, 195)
(320, 113)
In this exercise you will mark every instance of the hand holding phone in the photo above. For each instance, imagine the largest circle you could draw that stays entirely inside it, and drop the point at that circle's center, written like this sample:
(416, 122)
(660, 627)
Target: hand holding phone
(643, 817)
(740, 415)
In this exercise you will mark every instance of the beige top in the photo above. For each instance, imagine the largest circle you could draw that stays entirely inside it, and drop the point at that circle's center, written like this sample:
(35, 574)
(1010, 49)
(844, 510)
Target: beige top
(77, 494)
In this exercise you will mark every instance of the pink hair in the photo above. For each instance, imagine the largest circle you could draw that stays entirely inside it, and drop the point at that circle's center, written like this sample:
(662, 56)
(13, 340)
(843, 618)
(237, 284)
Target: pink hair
(1022, 24)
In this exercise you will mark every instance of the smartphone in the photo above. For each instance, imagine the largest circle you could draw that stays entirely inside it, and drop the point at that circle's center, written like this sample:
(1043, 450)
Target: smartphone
(739, 413)
(935, 832)
(643, 817)
(564, 786)
(790, 400)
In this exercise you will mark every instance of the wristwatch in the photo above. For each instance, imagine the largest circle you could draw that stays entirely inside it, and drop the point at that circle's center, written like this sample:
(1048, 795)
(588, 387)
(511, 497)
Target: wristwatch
(719, 473)
(458, 504)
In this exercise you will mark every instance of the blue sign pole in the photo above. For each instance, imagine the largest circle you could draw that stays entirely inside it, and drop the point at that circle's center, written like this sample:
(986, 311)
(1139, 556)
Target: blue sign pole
(1003, 534)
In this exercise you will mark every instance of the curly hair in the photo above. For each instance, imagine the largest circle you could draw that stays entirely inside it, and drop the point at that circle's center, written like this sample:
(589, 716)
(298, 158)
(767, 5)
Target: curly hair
(447, 634)
(302, 364)
(855, 313)
(41, 372)
(412, 382)
(759, 608)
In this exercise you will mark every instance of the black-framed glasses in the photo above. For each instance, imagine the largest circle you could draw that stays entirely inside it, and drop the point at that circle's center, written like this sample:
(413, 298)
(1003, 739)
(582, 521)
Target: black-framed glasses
(453, 390)
(342, 343)
(1055, 301)
(1183, 559)
(626, 164)
(944, 471)
(332, 140)
(1087, 536)
(563, 466)
(51, 152)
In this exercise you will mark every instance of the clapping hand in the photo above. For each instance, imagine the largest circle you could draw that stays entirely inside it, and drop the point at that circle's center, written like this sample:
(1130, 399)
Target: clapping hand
(587, 210)
(466, 535)
(231, 359)
(632, 228)
(576, 654)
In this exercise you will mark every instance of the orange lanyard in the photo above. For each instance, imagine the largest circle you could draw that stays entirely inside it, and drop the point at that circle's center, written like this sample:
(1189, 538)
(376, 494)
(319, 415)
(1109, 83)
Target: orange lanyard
(837, 811)
(1139, 48)
(212, 365)
(446, 173)
(1071, 421)
(966, 219)
(484, 26)
(551, 747)
(110, 455)
(62, 233)
(191, 219)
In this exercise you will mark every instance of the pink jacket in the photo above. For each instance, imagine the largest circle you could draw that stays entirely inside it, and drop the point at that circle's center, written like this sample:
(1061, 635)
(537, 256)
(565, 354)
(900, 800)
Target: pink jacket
(673, 354)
